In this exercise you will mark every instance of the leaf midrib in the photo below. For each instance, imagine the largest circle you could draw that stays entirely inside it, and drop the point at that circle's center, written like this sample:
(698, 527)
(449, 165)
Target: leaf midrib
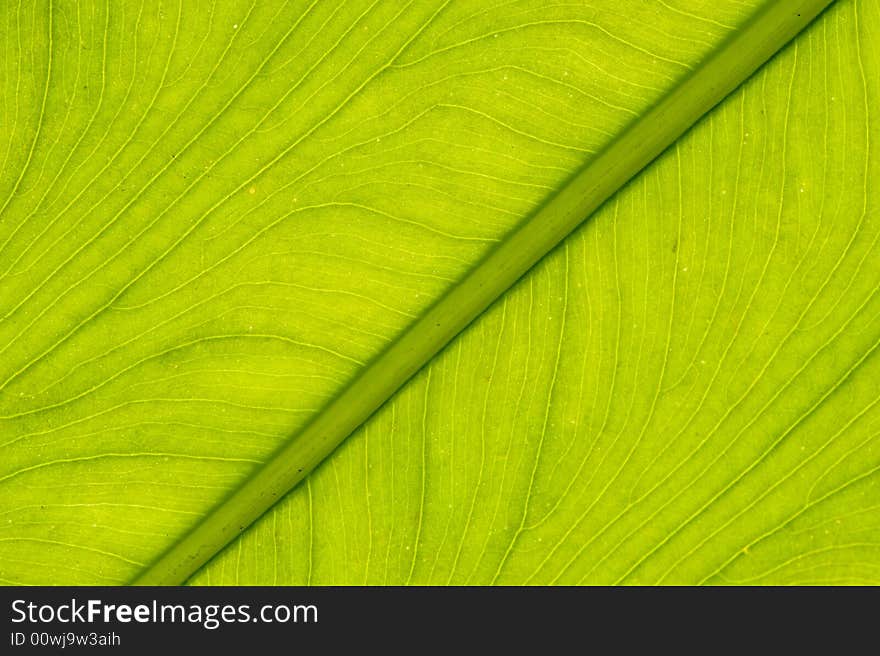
(732, 62)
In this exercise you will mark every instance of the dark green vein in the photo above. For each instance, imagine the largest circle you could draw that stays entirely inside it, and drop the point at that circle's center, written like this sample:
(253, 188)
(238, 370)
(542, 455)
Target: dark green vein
(727, 67)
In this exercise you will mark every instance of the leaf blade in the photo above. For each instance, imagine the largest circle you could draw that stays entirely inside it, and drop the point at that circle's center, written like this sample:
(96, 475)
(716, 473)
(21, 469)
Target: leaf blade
(208, 392)
(723, 71)
(713, 416)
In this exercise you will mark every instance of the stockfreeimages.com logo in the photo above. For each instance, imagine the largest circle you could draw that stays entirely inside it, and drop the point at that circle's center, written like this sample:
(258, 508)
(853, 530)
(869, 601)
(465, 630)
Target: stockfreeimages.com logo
(209, 616)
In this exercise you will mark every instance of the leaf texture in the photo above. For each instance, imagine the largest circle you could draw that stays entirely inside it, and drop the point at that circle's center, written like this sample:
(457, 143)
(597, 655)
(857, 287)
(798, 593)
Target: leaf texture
(684, 393)
(215, 215)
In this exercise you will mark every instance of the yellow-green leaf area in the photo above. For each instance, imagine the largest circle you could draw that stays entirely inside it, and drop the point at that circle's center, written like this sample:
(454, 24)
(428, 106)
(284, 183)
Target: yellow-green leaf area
(214, 216)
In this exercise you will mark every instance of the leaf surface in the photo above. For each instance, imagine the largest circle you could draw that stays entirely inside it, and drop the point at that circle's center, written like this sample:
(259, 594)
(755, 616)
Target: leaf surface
(245, 215)
(686, 392)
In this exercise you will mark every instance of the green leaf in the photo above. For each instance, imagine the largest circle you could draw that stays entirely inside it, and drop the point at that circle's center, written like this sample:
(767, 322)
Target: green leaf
(684, 393)
(244, 216)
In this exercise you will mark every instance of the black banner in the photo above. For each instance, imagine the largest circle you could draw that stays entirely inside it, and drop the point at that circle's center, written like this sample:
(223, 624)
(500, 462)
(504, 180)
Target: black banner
(544, 620)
